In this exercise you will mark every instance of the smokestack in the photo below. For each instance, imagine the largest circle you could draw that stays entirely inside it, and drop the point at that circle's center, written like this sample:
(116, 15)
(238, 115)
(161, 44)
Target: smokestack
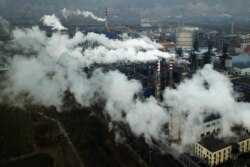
(106, 20)
(158, 80)
(170, 68)
(232, 28)
(77, 29)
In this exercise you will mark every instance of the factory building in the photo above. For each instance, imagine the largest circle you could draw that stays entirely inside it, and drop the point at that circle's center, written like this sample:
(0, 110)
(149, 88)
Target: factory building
(241, 65)
(211, 125)
(213, 151)
(154, 76)
(206, 36)
(243, 49)
(242, 86)
(233, 42)
(244, 145)
(201, 56)
(241, 70)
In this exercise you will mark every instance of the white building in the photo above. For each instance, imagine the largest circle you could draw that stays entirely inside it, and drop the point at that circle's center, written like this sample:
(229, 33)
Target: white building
(211, 125)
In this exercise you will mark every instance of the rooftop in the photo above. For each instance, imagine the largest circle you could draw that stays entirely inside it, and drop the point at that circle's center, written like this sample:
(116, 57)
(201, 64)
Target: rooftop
(242, 65)
(213, 144)
(211, 117)
(240, 133)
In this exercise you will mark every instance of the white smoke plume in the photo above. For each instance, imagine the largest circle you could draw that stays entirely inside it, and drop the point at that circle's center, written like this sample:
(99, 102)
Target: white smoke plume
(52, 21)
(143, 43)
(4, 25)
(207, 92)
(108, 51)
(54, 65)
(66, 13)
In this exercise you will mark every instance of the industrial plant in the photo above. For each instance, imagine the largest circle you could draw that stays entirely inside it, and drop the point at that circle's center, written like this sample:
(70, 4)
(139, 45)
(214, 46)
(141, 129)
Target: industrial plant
(146, 93)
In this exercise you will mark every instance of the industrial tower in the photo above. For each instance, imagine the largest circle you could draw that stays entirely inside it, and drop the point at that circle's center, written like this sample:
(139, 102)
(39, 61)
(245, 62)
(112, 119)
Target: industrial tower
(106, 28)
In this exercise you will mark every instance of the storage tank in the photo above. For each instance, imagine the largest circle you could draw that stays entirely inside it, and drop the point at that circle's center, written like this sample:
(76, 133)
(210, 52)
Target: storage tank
(184, 37)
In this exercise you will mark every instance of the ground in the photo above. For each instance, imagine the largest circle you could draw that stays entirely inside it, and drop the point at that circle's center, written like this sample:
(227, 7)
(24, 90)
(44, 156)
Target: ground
(95, 143)
(50, 139)
(25, 134)
(37, 160)
(15, 132)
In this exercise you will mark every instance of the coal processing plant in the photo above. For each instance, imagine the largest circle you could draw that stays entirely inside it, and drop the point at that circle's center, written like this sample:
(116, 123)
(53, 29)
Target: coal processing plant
(155, 76)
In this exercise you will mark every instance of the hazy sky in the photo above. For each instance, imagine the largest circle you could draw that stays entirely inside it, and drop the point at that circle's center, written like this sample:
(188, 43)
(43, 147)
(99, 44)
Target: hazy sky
(130, 9)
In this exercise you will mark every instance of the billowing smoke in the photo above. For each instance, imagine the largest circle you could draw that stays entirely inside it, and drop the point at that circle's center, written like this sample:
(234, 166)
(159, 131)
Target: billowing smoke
(66, 13)
(53, 21)
(53, 65)
(207, 92)
(4, 25)
(107, 51)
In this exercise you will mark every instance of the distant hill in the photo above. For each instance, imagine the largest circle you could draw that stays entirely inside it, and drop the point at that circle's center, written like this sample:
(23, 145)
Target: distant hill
(131, 9)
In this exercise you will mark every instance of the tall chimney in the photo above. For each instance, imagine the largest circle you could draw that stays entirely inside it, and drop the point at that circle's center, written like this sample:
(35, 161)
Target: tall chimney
(158, 80)
(232, 28)
(171, 67)
(106, 20)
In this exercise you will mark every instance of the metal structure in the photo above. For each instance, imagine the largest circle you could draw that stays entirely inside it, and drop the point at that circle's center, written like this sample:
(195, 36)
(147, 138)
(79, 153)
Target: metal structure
(170, 68)
(106, 28)
(158, 80)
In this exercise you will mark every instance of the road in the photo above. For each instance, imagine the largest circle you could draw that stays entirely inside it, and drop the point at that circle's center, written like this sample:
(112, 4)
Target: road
(65, 135)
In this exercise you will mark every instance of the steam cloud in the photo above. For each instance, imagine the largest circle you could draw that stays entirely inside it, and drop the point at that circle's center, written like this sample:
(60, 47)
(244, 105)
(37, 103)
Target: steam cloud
(192, 99)
(54, 65)
(52, 21)
(4, 25)
(66, 13)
